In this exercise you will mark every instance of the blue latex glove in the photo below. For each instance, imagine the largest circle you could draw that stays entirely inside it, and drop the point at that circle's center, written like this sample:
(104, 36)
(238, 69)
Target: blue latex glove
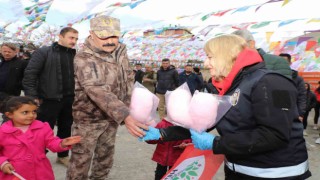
(203, 141)
(151, 134)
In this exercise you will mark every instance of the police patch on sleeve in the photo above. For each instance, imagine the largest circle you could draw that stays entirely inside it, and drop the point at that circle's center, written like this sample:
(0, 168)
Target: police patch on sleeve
(235, 97)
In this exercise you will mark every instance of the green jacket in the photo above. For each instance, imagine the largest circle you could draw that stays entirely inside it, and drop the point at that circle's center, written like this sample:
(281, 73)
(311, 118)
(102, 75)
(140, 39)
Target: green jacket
(276, 63)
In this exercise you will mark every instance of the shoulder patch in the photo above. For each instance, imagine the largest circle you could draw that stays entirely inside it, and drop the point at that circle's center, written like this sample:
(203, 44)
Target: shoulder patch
(235, 97)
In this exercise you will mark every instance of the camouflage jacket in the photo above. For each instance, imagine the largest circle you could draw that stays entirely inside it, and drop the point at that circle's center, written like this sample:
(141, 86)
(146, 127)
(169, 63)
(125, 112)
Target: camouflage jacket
(103, 84)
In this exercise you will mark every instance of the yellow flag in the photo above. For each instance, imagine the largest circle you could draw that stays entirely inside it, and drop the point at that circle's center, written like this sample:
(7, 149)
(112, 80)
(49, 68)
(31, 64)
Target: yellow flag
(268, 36)
(273, 45)
(285, 2)
(314, 20)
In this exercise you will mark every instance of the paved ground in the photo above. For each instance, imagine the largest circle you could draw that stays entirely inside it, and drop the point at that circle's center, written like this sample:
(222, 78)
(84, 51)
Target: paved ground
(132, 158)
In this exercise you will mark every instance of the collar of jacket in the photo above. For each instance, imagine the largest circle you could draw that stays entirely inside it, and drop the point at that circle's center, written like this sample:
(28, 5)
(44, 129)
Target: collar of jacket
(11, 60)
(245, 58)
(169, 68)
(9, 128)
(58, 47)
(89, 43)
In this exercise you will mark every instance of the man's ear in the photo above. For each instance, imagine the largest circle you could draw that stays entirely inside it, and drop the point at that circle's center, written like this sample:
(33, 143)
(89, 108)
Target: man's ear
(252, 44)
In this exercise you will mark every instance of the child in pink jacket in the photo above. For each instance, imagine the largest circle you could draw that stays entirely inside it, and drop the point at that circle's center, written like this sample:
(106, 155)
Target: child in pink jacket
(24, 140)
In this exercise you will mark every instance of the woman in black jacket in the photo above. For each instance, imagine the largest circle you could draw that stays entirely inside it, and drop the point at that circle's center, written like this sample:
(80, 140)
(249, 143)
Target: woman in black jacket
(261, 135)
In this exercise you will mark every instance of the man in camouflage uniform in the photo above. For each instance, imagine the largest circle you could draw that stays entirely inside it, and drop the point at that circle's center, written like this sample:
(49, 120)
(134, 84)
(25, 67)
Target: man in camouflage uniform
(103, 84)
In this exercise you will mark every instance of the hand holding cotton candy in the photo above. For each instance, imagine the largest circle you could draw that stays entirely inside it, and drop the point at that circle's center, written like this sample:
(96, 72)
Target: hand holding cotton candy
(178, 107)
(141, 105)
(203, 111)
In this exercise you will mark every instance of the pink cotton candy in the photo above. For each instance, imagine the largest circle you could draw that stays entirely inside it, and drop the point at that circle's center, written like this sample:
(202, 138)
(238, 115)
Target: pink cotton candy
(178, 107)
(141, 104)
(203, 111)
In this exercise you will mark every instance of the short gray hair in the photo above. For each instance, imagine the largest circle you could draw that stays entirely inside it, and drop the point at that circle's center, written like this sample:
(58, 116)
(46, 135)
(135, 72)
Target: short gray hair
(245, 34)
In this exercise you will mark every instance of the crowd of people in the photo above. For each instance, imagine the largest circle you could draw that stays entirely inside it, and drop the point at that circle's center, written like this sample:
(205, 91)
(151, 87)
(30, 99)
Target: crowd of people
(86, 95)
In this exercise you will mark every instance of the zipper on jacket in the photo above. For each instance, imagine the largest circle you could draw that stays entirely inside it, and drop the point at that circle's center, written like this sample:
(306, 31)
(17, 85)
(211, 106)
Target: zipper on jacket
(93, 66)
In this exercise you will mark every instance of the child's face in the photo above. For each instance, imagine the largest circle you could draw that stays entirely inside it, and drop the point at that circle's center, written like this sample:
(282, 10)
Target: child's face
(24, 115)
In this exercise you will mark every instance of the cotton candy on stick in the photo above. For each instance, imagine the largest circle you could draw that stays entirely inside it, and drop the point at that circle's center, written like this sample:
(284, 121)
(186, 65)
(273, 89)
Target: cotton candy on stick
(141, 104)
(178, 107)
(203, 111)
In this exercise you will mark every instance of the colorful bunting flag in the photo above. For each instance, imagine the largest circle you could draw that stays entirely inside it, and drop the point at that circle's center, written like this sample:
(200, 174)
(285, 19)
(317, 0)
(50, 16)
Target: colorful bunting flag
(274, 45)
(205, 17)
(221, 13)
(302, 39)
(38, 11)
(271, 1)
(218, 13)
(135, 3)
(241, 9)
(259, 25)
(205, 31)
(285, 2)
(282, 23)
(118, 4)
(314, 20)
(268, 36)
(291, 43)
(188, 16)
(243, 25)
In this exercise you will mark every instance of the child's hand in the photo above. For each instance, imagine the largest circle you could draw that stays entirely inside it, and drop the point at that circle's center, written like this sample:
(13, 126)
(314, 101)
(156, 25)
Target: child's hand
(70, 141)
(7, 168)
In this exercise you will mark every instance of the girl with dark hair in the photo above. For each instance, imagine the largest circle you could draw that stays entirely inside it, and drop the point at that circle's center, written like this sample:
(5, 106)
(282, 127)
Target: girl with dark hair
(24, 140)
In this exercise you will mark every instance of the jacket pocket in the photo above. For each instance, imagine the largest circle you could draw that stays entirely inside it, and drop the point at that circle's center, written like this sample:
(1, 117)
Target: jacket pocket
(93, 75)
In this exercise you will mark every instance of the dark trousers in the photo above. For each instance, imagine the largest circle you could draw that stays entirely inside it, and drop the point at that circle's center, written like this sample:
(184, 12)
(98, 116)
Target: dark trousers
(305, 119)
(161, 171)
(316, 113)
(58, 112)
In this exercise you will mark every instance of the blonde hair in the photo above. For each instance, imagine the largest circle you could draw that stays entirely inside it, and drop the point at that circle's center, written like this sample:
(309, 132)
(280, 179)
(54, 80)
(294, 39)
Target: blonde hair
(224, 50)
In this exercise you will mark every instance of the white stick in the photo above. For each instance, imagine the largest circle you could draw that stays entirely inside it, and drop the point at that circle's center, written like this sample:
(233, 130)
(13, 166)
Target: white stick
(188, 144)
(18, 175)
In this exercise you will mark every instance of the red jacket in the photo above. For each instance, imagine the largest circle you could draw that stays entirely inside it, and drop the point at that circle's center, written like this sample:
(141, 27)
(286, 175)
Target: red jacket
(165, 154)
(317, 95)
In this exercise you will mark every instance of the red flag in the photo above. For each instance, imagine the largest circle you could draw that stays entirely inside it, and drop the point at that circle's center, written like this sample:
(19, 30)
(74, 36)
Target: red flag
(195, 164)
(310, 44)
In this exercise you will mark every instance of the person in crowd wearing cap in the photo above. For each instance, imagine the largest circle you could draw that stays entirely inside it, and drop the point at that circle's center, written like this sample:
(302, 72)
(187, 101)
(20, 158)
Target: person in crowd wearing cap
(103, 86)
(49, 79)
